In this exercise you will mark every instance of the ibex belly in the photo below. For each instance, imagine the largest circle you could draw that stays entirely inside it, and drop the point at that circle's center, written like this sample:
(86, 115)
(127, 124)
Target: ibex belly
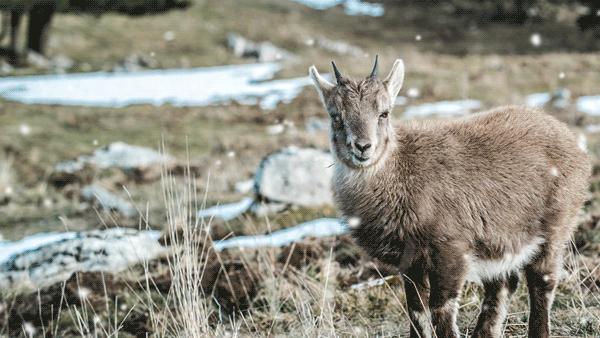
(480, 269)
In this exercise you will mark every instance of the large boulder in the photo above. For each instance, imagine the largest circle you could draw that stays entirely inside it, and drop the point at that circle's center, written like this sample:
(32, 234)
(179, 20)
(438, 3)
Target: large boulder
(139, 163)
(45, 259)
(296, 176)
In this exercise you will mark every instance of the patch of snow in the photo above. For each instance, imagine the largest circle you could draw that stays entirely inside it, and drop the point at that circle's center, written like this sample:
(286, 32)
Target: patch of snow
(442, 109)
(245, 84)
(322, 227)
(401, 101)
(558, 99)
(351, 7)
(357, 7)
(592, 128)
(227, 211)
(393, 279)
(589, 105)
(537, 99)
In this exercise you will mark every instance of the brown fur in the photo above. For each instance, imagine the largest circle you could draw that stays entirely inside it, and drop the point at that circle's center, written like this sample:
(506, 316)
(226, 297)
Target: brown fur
(434, 195)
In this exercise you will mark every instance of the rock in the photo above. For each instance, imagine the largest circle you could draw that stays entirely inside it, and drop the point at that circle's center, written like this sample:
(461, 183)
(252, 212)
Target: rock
(297, 176)
(61, 63)
(45, 259)
(262, 51)
(37, 60)
(338, 47)
(244, 187)
(108, 200)
(315, 125)
(135, 63)
(6, 68)
(141, 163)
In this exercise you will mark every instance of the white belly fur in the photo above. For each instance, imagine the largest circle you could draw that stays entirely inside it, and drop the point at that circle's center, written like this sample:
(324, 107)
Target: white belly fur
(480, 270)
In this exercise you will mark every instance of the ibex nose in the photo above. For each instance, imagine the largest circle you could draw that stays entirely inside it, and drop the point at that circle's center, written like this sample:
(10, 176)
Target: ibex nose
(362, 146)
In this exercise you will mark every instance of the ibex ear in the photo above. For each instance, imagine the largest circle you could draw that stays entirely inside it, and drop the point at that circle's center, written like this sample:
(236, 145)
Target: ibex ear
(393, 82)
(324, 87)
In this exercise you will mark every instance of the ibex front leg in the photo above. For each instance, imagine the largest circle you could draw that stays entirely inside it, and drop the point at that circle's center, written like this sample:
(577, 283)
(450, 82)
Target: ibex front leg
(416, 286)
(446, 280)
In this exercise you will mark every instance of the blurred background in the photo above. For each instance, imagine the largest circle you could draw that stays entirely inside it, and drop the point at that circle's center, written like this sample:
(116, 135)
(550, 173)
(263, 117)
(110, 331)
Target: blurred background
(99, 98)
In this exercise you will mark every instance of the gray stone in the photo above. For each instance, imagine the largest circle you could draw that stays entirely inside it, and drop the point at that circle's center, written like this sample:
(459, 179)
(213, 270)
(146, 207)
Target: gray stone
(108, 200)
(45, 259)
(143, 162)
(261, 51)
(296, 176)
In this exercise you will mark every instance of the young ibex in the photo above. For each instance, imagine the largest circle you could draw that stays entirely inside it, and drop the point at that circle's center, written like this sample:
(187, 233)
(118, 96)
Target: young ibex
(477, 198)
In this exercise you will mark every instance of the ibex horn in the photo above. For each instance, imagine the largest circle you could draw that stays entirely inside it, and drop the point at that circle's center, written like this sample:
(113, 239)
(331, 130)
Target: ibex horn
(338, 75)
(374, 71)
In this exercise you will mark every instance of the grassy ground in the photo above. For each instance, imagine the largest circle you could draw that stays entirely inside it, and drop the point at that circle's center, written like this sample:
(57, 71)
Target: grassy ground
(308, 294)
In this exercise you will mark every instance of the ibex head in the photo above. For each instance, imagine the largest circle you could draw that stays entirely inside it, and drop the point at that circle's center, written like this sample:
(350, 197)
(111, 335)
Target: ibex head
(361, 130)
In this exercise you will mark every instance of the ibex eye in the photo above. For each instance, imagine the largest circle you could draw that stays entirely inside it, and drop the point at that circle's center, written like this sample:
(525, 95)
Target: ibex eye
(384, 114)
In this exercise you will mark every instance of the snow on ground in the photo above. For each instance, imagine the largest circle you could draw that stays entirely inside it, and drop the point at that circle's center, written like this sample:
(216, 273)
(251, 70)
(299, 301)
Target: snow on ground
(442, 109)
(351, 7)
(182, 87)
(321, 227)
(589, 105)
(227, 211)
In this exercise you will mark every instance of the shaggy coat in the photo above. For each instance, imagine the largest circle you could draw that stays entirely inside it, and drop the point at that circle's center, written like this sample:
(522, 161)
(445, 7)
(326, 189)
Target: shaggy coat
(476, 198)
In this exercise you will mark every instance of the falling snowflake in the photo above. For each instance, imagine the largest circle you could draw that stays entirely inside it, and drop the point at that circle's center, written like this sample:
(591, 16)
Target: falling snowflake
(418, 37)
(218, 163)
(413, 92)
(353, 222)
(24, 129)
(29, 329)
(169, 36)
(95, 142)
(231, 154)
(83, 293)
(535, 39)
(8, 190)
(561, 75)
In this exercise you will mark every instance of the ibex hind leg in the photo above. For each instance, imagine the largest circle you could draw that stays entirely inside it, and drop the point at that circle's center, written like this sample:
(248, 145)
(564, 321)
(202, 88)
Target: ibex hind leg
(543, 274)
(495, 306)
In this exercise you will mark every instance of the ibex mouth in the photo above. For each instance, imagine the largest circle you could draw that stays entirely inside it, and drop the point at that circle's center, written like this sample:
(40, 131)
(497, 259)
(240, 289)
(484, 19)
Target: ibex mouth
(360, 158)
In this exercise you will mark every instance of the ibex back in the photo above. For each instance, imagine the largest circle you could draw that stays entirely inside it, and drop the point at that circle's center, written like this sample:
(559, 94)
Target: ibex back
(477, 198)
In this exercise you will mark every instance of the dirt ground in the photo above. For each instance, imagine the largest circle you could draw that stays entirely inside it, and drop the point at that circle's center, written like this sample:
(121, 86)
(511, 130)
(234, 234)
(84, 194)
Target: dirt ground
(304, 289)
